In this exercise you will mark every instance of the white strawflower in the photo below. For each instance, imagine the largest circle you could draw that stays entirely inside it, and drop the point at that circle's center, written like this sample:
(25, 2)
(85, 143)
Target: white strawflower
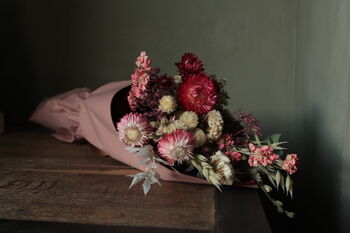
(167, 104)
(189, 119)
(177, 79)
(215, 123)
(223, 167)
(200, 137)
(169, 126)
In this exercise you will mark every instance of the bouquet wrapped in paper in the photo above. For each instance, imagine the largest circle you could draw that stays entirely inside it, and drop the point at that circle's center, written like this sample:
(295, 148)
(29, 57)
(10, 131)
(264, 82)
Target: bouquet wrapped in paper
(174, 128)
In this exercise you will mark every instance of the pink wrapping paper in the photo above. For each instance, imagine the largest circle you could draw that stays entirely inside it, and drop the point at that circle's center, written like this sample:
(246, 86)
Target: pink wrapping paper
(80, 113)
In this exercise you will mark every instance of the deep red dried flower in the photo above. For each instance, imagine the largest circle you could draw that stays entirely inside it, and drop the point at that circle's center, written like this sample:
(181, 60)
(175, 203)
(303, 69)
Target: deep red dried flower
(189, 64)
(197, 93)
(165, 82)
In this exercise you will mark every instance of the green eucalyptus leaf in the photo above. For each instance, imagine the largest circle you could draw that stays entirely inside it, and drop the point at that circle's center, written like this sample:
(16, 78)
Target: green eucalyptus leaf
(275, 138)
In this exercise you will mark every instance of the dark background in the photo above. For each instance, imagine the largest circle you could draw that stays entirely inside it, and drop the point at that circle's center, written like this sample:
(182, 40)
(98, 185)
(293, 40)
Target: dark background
(287, 61)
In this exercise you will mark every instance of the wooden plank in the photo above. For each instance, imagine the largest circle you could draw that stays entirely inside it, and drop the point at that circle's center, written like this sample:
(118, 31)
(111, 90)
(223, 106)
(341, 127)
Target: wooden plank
(50, 186)
(104, 199)
(44, 180)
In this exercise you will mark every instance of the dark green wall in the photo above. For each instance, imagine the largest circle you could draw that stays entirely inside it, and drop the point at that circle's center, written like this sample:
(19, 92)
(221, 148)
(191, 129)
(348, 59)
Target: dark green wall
(67, 44)
(321, 117)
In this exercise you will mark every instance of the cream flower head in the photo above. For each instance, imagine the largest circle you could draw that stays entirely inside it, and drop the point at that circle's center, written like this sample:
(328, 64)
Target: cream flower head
(200, 137)
(177, 79)
(189, 119)
(223, 167)
(167, 104)
(167, 126)
(215, 123)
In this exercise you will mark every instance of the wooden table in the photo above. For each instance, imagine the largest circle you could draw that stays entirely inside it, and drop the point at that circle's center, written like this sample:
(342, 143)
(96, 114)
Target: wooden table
(50, 186)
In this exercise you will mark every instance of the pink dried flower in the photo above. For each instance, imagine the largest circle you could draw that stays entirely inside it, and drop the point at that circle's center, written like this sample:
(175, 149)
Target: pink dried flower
(289, 164)
(263, 155)
(177, 146)
(189, 64)
(140, 81)
(133, 129)
(251, 124)
(225, 142)
(234, 155)
(143, 62)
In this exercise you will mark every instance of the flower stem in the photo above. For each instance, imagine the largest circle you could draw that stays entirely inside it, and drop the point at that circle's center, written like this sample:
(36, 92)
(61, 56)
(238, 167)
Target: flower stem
(257, 139)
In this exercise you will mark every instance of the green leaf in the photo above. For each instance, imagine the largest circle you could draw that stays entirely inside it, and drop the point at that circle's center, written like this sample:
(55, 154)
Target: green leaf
(289, 214)
(289, 185)
(278, 178)
(272, 181)
(275, 138)
(283, 184)
(267, 188)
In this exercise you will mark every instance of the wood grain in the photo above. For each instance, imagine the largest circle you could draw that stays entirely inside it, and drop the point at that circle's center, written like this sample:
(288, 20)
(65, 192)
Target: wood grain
(50, 186)
(43, 179)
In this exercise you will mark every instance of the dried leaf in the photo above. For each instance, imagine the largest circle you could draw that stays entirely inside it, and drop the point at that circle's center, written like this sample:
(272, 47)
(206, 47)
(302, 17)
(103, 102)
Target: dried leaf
(289, 214)
(275, 138)
(272, 181)
(289, 184)
(267, 188)
(278, 178)
(146, 186)
(131, 149)
(283, 183)
(145, 161)
(137, 178)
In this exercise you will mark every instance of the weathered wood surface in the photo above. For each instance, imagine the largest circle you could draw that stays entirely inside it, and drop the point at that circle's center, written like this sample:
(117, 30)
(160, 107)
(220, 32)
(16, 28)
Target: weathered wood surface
(50, 186)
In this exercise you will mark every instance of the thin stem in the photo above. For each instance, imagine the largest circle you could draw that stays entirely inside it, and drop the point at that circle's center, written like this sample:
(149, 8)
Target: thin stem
(257, 139)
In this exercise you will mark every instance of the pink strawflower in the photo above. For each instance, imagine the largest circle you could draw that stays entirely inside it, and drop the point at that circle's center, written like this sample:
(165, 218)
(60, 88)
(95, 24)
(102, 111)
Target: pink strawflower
(263, 155)
(225, 142)
(234, 155)
(133, 129)
(197, 93)
(177, 146)
(189, 64)
(289, 164)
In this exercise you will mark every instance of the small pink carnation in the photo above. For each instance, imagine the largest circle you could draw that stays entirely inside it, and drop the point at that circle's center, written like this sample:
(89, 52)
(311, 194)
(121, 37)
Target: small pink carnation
(289, 164)
(253, 161)
(234, 155)
(263, 155)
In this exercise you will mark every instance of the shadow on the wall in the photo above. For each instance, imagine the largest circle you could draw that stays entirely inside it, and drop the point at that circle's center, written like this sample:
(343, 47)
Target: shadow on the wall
(316, 195)
(17, 93)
